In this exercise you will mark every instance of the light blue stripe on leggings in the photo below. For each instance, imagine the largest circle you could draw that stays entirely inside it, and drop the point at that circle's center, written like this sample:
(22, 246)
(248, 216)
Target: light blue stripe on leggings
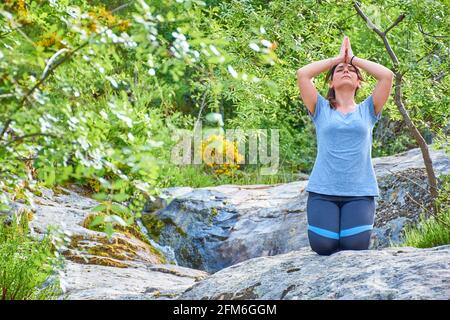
(352, 231)
(324, 232)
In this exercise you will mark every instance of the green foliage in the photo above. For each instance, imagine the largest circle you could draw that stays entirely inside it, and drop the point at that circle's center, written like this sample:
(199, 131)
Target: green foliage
(92, 92)
(27, 265)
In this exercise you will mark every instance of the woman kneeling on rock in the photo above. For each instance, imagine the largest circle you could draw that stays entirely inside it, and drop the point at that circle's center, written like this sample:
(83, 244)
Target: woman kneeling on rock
(342, 185)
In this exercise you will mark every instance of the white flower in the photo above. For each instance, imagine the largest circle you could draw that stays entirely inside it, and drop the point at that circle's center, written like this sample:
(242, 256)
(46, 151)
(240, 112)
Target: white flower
(232, 71)
(262, 30)
(205, 52)
(125, 119)
(266, 43)
(74, 120)
(113, 82)
(104, 114)
(73, 11)
(214, 50)
(254, 46)
(45, 125)
(151, 72)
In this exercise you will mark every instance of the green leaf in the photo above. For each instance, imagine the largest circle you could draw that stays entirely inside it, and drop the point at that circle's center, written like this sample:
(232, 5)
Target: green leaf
(100, 196)
(99, 208)
(120, 209)
(120, 197)
(109, 230)
(99, 219)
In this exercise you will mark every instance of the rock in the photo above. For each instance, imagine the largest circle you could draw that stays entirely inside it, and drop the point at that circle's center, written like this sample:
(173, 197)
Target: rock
(143, 282)
(215, 227)
(392, 273)
(212, 228)
(411, 159)
(390, 234)
(127, 266)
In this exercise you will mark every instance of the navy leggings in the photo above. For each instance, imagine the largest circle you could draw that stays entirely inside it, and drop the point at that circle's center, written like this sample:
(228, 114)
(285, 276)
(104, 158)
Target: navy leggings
(339, 222)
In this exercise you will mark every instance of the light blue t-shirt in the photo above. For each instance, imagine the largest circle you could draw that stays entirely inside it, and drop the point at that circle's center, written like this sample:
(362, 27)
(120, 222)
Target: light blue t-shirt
(343, 165)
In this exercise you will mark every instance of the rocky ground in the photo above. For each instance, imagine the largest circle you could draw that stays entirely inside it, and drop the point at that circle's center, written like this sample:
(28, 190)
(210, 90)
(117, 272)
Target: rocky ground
(248, 242)
(394, 273)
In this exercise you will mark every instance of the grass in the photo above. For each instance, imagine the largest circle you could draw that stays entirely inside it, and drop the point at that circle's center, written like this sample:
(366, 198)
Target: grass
(431, 231)
(196, 176)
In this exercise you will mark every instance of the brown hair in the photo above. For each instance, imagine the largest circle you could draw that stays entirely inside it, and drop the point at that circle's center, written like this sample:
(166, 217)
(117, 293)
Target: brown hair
(331, 95)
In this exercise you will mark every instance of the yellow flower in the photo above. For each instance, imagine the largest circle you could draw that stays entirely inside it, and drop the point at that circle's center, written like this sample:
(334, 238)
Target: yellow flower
(216, 147)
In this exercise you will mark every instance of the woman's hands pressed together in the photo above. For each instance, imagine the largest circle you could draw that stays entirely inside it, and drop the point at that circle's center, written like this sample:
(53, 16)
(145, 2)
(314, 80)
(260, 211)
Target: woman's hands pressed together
(346, 52)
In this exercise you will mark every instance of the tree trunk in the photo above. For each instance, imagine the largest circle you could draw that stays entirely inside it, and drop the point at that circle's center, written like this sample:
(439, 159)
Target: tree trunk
(432, 181)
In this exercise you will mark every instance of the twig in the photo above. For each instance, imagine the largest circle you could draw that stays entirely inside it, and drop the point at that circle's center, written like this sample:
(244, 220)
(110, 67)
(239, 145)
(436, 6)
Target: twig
(430, 212)
(50, 61)
(397, 21)
(429, 34)
(36, 134)
(410, 180)
(122, 6)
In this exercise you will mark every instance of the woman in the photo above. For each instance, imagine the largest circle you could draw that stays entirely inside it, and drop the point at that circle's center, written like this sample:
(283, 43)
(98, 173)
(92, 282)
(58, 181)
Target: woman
(342, 185)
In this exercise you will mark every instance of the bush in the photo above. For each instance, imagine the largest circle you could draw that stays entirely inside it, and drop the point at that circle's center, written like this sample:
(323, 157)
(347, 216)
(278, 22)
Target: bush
(26, 264)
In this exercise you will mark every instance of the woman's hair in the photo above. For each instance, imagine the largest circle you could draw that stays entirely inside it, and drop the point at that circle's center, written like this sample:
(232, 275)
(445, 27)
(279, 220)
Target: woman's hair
(331, 95)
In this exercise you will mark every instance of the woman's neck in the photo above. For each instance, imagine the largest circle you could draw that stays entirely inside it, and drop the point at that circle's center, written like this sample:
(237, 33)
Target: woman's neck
(345, 100)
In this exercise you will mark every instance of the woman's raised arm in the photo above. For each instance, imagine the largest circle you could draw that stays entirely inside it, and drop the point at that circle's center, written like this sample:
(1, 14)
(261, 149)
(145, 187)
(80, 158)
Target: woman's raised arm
(305, 74)
(304, 80)
(384, 76)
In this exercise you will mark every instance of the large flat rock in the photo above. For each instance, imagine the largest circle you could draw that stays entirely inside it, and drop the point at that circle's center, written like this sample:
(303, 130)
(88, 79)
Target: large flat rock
(390, 273)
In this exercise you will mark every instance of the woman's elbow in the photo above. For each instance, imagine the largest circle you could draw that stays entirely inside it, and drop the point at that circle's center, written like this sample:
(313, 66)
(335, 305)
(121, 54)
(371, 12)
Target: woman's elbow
(390, 75)
(301, 73)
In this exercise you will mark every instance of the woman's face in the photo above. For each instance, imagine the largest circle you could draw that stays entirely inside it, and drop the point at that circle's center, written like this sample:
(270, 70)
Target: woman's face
(345, 75)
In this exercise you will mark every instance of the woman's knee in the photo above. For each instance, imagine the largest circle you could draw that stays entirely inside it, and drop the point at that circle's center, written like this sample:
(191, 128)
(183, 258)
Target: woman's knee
(358, 241)
(322, 245)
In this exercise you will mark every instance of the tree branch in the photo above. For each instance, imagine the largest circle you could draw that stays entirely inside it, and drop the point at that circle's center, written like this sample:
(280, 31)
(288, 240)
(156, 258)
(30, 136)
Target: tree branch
(381, 34)
(36, 134)
(397, 21)
(429, 34)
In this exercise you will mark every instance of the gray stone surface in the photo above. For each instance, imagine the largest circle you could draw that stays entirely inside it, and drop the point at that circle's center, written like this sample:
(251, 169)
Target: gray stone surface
(95, 267)
(142, 282)
(392, 273)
